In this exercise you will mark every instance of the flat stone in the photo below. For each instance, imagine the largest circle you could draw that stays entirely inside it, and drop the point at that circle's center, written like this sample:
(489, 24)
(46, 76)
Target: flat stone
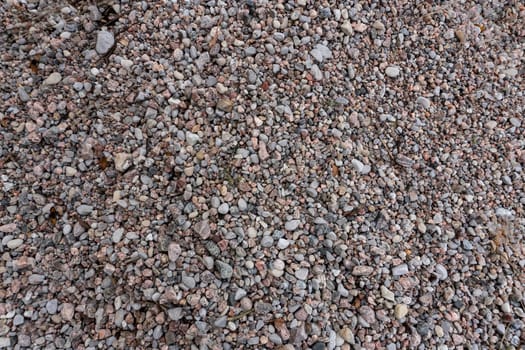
(283, 243)
(316, 72)
(22, 94)
(175, 313)
(105, 41)
(221, 322)
(347, 334)
(53, 79)
(387, 294)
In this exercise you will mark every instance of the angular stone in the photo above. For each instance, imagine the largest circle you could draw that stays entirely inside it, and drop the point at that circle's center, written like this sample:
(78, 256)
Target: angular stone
(122, 161)
(203, 229)
(225, 105)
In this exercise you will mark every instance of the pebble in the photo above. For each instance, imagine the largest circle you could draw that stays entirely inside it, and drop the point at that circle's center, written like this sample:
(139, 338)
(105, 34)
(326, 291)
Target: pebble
(362, 270)
(117, 235)
(302, 274)
(5, 342)
(192, 138)
(360, 167)
(202, 228)
(14, 243)
(423, 102)
(400, 270)
(23, 95)
(174, 251)
(387, 294)
(347, 29)
(283, 243)
(441, 272)
(18, 320)
(224, 269)
(224, 208)
(68, 311)
(52, 306)
(188, 281)
(392, 71)
(8, 228)
(53, 79)
(84, 209)
(292, 225)
(321, 53)
(122, 161)
(288, 163)
(400, 311)
(105, 41)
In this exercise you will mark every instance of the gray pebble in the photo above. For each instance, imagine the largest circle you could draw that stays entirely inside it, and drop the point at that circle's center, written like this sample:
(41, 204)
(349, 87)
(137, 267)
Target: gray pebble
(400, 270)
(221, 322)
(176, 313)
(105, 41)
(225, 270)
(188, 281)
(320, 53)
(52, 306)
(117, 235)
(392, 71)
(302, 273)
(266, 241)
(423, 102)
(18, 320)
(292, 225)
(224, 208)
(84, 209)
(441, 272)
(192, 138)
(22, 94)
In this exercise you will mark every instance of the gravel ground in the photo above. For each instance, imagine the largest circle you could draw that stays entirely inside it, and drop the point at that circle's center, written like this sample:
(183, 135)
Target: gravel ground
(262, 175)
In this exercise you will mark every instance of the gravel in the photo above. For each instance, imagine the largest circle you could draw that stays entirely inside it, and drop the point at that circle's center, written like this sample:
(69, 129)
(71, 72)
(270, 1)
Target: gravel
(257, 174)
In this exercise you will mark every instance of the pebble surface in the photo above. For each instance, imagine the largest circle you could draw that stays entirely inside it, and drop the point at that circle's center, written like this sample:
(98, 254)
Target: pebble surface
(266, 175)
